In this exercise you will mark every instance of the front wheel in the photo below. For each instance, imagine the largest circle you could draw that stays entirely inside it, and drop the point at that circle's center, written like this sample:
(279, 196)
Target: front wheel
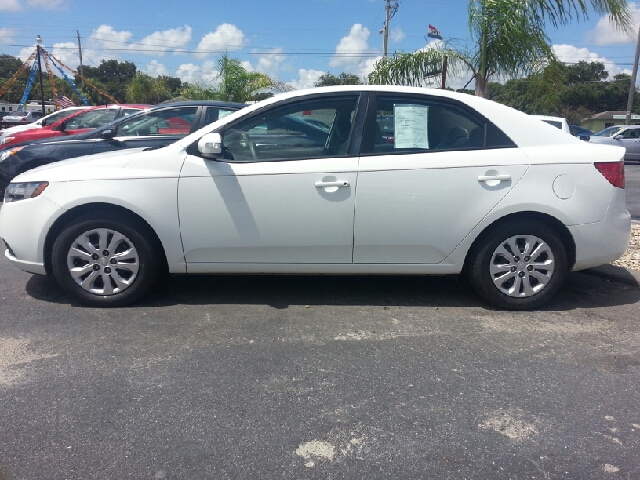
(519, 266)
(105, 260)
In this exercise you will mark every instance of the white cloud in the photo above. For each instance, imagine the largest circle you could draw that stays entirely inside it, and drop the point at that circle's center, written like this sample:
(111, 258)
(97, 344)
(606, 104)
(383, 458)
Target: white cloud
(155, 69)
(46, 4)
(105, 37)
(306, 79)
(6, 35)
(10, 5)
(226, 38)
(159, 42)
(607, 34)
(189, 72)
(571, 54)
(396, 35)
(353, 53)
(271, 62)
(16, 5)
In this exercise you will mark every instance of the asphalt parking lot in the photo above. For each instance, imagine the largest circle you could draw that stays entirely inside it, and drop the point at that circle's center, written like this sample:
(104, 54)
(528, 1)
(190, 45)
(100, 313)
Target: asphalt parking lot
(318, 377)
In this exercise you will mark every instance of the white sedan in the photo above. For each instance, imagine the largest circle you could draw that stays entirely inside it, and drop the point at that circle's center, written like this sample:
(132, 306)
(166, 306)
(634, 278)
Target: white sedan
(453, 184)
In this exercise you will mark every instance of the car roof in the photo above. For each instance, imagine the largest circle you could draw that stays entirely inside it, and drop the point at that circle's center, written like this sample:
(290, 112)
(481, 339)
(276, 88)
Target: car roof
(204, 103)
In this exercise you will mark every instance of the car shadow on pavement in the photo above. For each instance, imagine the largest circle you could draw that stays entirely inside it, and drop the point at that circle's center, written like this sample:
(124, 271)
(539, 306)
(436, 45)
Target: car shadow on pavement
(581, 290)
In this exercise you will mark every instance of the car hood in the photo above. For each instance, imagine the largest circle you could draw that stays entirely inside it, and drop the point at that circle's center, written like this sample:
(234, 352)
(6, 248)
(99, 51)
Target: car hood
(106, 165)
(605, 140)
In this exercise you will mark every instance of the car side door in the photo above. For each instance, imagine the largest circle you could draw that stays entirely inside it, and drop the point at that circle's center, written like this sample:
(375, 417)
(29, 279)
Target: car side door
(283, 192)
(430, 170)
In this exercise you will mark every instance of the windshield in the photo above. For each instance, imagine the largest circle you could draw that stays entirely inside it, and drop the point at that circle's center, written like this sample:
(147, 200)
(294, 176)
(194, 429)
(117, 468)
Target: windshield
(608, 132)
(554, 123)
(54, 117)
(92, 118)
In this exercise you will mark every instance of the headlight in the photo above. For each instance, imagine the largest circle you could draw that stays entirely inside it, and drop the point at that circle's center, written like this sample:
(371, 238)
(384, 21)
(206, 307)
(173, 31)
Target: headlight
(20, 191)
(7, 153)
(6, 140)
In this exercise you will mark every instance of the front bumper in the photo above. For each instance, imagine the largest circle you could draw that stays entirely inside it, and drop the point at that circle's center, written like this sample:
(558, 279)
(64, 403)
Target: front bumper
(23, 227)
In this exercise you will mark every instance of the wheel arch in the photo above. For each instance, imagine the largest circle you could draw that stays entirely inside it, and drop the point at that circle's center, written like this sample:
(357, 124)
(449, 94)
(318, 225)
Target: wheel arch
(67, 217)
(559, 227)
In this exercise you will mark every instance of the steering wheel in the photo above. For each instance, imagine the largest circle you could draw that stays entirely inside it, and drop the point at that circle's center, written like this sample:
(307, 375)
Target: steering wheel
(245, 142)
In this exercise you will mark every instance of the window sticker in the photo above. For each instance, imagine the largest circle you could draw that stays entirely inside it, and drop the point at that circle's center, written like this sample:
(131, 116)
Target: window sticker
(411, 126)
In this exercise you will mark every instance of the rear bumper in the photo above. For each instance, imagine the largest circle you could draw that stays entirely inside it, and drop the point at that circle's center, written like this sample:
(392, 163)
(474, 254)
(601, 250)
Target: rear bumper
(604, 241)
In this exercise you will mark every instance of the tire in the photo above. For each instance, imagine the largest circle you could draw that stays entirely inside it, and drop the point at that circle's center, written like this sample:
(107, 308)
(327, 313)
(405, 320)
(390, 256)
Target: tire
(519, 265)
(105, 259)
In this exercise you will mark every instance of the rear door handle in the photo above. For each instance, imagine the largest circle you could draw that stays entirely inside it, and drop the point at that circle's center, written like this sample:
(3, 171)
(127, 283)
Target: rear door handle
(490, 178)
(339, 183)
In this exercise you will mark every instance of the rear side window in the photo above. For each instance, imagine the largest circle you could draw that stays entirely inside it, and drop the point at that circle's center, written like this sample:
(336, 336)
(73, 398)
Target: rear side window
(410, 124)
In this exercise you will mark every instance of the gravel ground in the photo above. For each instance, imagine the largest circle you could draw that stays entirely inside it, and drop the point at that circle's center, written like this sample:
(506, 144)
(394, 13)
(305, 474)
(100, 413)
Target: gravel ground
(631, 258)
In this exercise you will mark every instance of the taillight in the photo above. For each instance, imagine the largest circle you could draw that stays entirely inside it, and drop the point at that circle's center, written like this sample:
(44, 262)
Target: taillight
(612, 171)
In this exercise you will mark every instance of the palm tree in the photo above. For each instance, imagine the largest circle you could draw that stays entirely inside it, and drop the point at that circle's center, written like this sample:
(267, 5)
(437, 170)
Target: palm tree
(508, 40)
(234, 83)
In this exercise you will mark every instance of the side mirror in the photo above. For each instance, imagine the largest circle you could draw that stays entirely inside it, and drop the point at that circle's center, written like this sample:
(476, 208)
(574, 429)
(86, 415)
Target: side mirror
(586, 138)
(108, 133)
(618, 136)
(210, 146)
(59, 128)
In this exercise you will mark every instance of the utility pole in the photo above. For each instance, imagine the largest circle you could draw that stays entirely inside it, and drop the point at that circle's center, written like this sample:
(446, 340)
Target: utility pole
(80, 55)
(39, 48)
(390, 11)
(632, 87)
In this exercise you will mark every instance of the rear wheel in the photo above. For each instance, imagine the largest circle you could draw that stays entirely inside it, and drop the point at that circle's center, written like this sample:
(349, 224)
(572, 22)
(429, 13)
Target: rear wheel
(105, 260)
(519, 266)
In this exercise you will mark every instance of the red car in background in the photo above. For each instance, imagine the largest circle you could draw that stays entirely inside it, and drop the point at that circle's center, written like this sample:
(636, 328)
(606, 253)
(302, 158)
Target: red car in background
(79, 122)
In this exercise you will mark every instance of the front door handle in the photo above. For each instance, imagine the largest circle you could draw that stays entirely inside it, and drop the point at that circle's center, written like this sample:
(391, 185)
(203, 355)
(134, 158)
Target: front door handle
(339, 183)
(493, 178)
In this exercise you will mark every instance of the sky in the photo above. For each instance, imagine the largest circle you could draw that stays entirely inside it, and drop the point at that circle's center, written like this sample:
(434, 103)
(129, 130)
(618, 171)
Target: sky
(293, 41)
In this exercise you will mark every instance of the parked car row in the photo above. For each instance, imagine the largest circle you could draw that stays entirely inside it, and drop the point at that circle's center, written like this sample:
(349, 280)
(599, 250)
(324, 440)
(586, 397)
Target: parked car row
(382, 180)
(72, 136)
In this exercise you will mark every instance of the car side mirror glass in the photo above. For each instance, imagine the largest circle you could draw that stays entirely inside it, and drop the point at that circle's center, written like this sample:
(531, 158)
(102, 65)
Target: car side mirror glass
(210, 146)
(108, 133)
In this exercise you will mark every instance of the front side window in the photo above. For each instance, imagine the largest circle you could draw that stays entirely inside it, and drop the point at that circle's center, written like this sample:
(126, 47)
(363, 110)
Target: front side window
(408, 125)
(214, 113)
(631, 133)
(174, 121)
(303, 129)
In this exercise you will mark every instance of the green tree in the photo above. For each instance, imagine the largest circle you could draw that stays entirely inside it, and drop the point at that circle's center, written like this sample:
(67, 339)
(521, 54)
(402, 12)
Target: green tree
(146, 89)
(111, 76)
(328, 79)
(9, 66)
(508, 40)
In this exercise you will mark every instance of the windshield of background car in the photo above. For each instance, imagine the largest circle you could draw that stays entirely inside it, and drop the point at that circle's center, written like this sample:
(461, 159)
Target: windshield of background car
(608, 132)
(555, 124)
(173, 121)
(54, 117)
(92, 118)
(18, 114)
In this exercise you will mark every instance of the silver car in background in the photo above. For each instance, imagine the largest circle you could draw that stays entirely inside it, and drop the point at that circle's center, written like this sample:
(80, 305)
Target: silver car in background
(627, 136)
